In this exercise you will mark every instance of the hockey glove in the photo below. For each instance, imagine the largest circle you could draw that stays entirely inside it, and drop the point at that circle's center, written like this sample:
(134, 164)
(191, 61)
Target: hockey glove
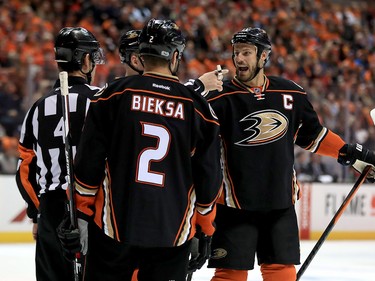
(69, 239)
(349, 153)
(359, 167)
(84, 235)
(359, 157)
(200, 251)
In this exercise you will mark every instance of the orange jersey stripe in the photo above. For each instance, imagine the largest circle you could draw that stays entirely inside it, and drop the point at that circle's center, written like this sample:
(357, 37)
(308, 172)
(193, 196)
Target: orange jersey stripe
(27, 156)
(208, 120)
(227, 94)
(206, 221)
(229, 193)
(184, 222)
(113, 217)
(142, 91)
(330, 145)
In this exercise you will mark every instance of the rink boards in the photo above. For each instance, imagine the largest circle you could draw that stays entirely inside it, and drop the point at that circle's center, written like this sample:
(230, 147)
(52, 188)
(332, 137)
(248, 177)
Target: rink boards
(315, 209)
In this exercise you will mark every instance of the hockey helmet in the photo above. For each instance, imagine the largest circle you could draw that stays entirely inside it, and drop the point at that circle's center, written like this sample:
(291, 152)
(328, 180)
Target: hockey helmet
(128, 45)
(72, 43)
(161, 38)
(255, 36)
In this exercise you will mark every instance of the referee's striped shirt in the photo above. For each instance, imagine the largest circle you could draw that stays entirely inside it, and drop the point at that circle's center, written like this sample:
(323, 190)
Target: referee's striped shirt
(42, 164)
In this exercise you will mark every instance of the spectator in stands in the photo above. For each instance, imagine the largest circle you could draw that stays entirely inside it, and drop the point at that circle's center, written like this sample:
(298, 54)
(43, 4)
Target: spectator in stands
(331, 43)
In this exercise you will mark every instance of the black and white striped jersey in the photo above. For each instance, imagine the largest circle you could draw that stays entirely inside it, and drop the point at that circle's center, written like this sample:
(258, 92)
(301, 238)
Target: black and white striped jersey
(42, 164)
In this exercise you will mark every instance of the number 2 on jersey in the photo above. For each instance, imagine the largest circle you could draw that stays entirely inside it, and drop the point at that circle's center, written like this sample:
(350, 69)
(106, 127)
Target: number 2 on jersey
(153, 154)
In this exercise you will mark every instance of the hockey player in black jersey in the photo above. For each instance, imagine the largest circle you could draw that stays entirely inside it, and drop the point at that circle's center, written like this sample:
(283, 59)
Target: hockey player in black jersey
(158, 143)
(129, 53)
(103, 251)
(41, 175)
(261, 118)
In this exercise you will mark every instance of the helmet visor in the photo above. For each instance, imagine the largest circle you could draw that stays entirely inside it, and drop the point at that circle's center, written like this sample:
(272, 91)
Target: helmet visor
(98, 56)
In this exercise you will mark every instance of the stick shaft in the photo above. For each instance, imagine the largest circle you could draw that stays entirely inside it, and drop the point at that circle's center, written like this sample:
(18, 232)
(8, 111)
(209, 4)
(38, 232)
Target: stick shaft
(334, 220)
(68, 149)
(63, 76)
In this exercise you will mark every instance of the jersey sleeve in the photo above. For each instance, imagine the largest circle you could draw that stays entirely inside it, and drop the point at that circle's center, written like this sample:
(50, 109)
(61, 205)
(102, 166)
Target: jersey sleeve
(206, 166)
(330, 145)
(314, 137)
(26, 170)
(197, 86)
(89, 162)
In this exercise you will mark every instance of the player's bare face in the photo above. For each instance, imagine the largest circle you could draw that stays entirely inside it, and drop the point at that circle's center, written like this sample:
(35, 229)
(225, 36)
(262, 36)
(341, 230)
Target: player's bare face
(245, 60)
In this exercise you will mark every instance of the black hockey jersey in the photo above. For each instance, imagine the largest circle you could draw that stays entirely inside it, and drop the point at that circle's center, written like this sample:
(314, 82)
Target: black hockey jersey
(149, 161)
(42, 165)
(259, 127)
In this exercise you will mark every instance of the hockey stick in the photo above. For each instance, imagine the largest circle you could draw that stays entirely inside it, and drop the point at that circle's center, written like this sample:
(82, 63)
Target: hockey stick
(77, 268)
(334, 220)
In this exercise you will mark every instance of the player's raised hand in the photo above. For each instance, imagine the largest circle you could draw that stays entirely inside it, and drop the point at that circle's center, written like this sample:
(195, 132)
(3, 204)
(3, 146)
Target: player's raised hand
(213, 80)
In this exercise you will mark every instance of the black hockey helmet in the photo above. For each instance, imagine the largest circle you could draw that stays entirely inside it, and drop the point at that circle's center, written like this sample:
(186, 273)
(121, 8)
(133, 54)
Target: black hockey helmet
(161, 38)
(128, 45)
(72, 43)
(252, 35)
(255, 36)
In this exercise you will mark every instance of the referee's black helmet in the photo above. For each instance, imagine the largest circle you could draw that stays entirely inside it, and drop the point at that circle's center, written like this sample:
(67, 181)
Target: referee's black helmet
(161, 38)
(72, 43)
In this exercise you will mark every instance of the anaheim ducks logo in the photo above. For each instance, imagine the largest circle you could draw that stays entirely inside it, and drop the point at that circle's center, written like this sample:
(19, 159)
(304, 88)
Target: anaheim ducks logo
(218, 253)
(131, 35)
(265, 126)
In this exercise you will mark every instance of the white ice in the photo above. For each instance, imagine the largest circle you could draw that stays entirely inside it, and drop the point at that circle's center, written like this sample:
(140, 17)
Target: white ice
(335, 261)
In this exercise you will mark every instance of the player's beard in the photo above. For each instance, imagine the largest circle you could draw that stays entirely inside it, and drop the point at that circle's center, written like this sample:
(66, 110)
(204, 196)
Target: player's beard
(246, 76)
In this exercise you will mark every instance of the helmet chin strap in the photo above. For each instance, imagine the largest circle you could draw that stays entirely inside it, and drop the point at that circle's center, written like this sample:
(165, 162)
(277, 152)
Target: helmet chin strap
(140, 72)
(255, 72)
(128, 62)
(88, 74)
(174, 73)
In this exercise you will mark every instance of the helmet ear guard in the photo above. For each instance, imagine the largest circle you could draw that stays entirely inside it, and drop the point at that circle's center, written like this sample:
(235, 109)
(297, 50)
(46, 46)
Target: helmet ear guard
(63, 55)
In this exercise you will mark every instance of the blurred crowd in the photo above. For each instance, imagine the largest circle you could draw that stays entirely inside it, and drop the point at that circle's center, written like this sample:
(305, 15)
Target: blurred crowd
(326, 46)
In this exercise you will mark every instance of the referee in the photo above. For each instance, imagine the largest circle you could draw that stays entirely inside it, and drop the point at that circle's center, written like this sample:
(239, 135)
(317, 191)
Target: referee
(41, 175)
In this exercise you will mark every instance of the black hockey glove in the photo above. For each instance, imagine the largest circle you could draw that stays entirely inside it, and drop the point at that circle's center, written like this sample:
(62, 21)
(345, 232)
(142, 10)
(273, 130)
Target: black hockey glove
(349, 153)
(359, 157)
(69, 239)
(200, 251)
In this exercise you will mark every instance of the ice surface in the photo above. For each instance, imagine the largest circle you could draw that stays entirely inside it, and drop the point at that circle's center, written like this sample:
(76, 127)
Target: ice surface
(335, 261)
